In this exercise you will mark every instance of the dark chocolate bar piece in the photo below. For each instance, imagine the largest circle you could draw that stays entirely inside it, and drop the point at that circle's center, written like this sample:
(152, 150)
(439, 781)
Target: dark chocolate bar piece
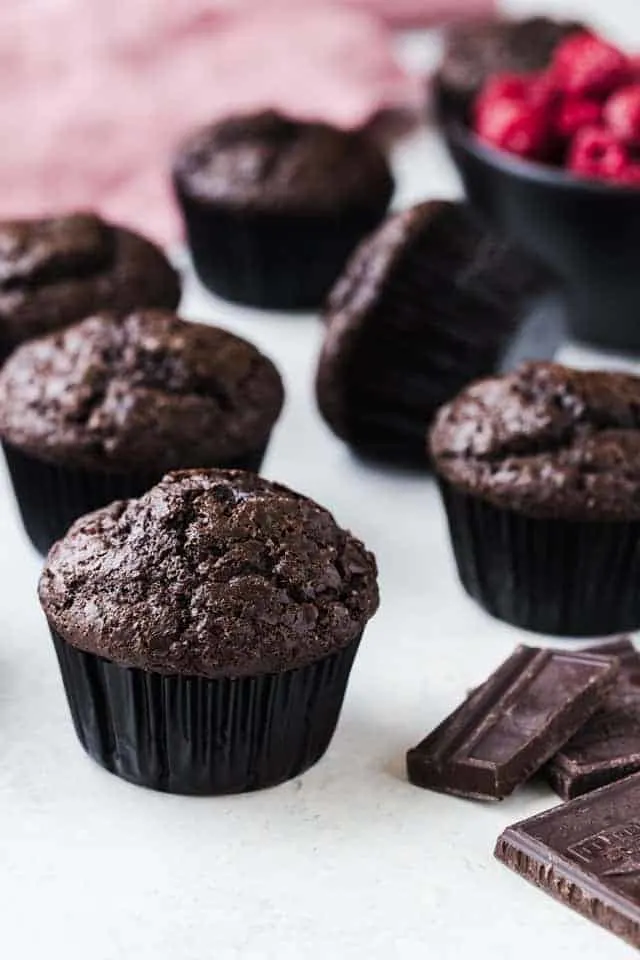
(607, 747)
(586, 854)
(511, 725)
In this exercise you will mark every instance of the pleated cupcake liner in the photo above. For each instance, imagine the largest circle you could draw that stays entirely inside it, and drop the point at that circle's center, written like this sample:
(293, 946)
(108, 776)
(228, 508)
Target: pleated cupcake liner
(194, 735)
(553, 576)
(51, 496)
(390, 438)
(413, 359)
(271, 261)
(390, 423)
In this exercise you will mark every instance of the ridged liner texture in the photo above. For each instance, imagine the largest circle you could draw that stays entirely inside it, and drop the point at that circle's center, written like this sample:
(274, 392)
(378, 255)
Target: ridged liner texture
(560, 577)
(427, 339)
(196, 735)
(264, 260)
(51, 496)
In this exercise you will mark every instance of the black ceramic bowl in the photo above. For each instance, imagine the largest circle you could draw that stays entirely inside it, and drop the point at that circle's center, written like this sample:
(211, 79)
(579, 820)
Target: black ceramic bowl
(586, 232)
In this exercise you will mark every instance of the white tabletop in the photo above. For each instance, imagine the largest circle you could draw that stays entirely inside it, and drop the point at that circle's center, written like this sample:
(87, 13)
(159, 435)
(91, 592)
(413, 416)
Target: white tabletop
(348, 861)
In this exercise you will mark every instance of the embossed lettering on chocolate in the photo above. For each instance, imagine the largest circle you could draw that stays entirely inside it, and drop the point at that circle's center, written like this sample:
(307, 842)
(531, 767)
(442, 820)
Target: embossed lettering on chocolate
(56, 271)
(510, 726)
(586, 854)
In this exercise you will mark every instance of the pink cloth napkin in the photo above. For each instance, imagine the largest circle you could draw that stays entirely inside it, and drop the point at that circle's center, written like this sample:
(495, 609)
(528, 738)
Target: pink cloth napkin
(422, 13)
(94, 96)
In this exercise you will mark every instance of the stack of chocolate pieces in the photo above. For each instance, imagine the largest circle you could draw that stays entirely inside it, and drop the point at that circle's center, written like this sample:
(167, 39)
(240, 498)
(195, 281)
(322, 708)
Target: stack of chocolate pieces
(574, 717)
(607, 747)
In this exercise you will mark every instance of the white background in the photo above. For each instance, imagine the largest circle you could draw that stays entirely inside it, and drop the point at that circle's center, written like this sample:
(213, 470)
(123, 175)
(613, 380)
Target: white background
(349, 861)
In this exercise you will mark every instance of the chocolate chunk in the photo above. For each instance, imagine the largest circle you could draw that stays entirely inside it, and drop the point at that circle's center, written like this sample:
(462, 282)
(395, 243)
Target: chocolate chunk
(507, 728)
(607, 747)
(586, 854)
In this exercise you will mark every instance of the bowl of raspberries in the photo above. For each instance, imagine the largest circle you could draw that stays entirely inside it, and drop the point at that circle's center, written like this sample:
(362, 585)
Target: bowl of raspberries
(553, 158)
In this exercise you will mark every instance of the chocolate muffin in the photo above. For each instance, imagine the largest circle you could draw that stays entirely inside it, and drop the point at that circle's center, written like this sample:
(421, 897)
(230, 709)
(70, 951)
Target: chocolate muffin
(540, 476)
(273, 207)
(206, 631)
(426, 304)
(58, 270)
(476, 50)
(101, 410)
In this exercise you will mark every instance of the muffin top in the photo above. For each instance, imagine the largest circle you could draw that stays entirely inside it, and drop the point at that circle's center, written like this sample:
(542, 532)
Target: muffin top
(210, 573)
(476, 50)
(267, 162)
(429, 272)
(56, 271)
(547, 441)
(149, 391)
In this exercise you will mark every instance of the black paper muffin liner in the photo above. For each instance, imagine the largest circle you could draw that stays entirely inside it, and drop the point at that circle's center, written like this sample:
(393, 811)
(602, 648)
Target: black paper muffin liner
(554, 576)
(51, 496)
(408, 360)
(193, 735)
(271, 261)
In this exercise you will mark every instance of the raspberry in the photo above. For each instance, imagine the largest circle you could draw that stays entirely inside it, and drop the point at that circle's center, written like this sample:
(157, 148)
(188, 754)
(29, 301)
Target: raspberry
(513, 125)
(622, 113)
(542, 89)
(574, 113)
(595, 152)
(586, 65)
(513, 86)
(631, 175)
(510, 113)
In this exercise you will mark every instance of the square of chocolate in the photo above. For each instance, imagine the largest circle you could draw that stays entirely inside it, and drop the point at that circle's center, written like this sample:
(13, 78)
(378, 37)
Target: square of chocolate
(586, 854)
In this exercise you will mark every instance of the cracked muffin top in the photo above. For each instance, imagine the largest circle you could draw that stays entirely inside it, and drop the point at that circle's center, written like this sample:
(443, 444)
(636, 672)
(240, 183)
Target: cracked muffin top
(148, 391)
(210, 573)
(58, 270)
(270, 162)
(546, 440)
